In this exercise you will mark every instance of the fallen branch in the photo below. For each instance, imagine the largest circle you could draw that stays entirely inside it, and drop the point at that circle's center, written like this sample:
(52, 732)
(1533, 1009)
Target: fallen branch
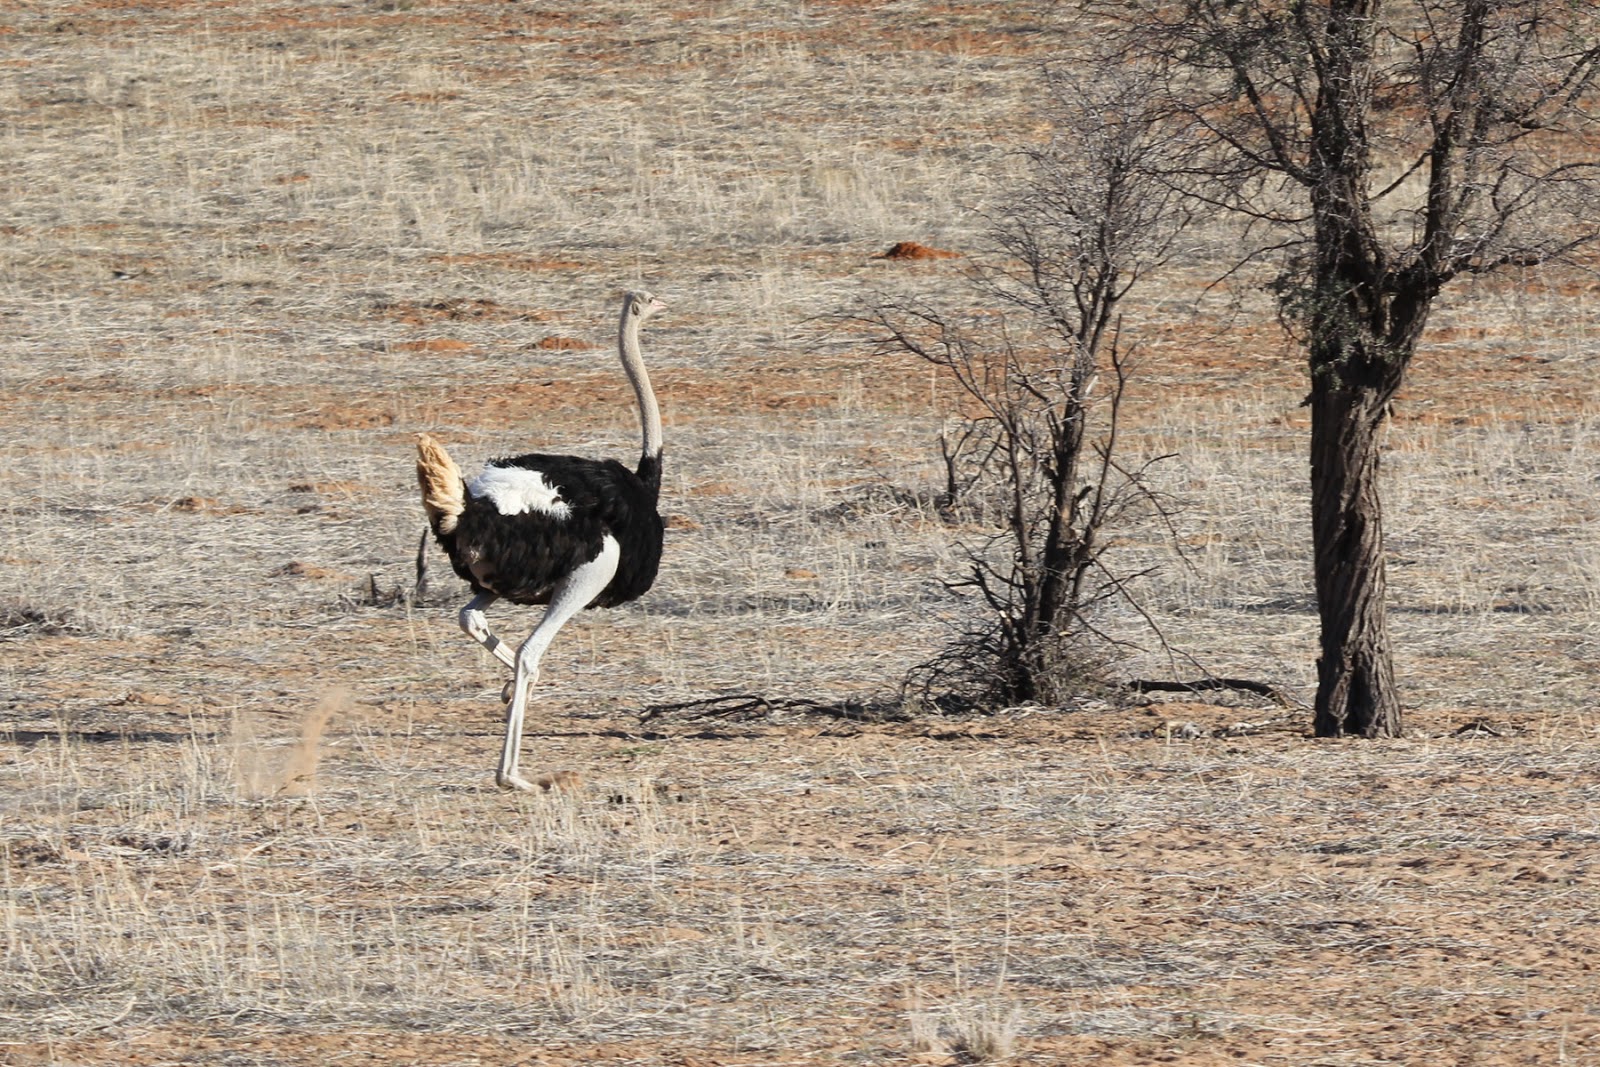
(1203, 685)
(743, 707)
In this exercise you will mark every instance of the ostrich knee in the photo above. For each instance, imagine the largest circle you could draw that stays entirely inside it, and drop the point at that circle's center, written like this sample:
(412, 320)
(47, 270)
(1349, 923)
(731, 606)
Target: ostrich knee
(474, 622)
(528, 657)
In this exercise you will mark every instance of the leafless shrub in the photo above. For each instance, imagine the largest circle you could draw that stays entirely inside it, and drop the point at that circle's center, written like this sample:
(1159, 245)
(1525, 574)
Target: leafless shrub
(1033, 455)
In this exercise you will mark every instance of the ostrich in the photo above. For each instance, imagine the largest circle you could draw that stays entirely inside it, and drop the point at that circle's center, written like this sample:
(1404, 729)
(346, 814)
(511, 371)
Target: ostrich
(559, 530)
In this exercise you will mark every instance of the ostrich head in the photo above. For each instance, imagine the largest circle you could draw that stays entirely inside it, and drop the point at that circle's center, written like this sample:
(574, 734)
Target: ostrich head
(643, 304)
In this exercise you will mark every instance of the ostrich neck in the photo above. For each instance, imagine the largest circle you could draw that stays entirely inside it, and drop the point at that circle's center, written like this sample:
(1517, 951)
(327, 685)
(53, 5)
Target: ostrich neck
(633, 367)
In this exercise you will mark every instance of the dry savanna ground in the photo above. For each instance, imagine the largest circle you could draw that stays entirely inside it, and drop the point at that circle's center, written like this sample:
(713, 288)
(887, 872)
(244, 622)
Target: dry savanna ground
(246, 809)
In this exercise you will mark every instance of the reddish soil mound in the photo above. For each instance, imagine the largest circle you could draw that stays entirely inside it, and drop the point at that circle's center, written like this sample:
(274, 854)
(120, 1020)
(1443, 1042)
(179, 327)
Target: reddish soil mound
(564, 344)
(913, 250)
(301, 569)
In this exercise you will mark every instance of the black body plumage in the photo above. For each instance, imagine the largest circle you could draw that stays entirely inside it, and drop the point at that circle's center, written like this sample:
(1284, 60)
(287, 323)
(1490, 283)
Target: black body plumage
(522, 556)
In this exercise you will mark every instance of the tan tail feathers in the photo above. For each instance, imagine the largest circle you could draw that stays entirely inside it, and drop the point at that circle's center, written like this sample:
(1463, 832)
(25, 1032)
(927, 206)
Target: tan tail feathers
(440, 479)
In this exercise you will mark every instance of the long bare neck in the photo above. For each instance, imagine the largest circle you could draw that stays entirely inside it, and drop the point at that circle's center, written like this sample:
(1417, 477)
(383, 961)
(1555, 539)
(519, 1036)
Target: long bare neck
(633, 367)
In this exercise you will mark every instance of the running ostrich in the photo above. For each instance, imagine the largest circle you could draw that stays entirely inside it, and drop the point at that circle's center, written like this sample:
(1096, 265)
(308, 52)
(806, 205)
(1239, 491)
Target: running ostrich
(564, 531)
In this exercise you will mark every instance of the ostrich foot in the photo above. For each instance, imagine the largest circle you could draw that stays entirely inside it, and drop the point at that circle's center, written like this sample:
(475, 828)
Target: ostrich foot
(515, 781)
(561, 781)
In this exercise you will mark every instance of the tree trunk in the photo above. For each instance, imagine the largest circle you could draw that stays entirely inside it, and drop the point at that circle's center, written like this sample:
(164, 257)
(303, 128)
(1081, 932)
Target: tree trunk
(1355, 672)
(1356, 366)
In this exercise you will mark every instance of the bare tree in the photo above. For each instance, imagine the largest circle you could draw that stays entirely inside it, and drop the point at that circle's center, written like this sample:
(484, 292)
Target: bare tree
(1378, 151)
(1037, 451)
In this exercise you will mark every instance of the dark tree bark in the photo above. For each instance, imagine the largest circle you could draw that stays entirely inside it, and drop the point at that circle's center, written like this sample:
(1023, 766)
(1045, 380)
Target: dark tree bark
(1355, 676)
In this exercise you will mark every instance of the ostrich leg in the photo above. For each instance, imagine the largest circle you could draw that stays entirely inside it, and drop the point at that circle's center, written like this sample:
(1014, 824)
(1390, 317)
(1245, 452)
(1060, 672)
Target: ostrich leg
(574, 594)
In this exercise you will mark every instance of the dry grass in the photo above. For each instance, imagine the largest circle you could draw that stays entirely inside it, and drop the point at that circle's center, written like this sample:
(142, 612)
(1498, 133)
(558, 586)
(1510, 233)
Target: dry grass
(250, 249)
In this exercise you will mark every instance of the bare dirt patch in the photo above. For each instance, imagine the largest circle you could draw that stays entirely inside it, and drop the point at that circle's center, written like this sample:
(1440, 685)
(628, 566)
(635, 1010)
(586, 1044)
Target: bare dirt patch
(914, 250)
